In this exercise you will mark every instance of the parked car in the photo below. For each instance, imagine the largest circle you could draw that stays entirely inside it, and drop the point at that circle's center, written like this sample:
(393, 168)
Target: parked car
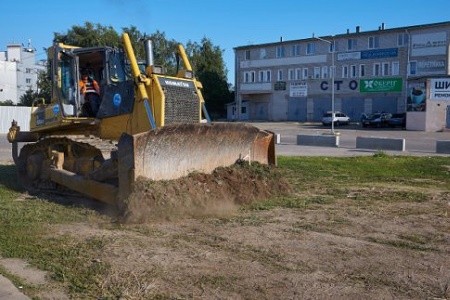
(376, 120)
(339, 118)
(397, 120)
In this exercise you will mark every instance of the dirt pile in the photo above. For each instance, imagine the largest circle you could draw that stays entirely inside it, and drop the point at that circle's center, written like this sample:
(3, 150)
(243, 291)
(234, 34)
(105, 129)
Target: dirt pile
(199, 194)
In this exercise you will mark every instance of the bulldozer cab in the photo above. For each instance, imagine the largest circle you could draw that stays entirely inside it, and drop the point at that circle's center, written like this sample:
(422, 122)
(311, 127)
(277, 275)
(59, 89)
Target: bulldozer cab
(106, 66)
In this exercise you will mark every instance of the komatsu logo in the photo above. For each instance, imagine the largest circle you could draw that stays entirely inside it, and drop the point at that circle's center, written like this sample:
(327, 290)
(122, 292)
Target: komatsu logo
(176, 83)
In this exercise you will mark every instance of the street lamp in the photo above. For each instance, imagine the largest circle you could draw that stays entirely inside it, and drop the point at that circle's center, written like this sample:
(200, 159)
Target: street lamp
(332, 79)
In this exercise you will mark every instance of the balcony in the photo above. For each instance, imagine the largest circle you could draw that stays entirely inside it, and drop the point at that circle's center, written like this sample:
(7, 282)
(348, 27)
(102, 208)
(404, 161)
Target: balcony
(256, 88)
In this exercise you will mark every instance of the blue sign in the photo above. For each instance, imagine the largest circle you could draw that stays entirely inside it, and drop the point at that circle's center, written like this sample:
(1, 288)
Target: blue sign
(56, 109)
(379, 53)
(117, 99)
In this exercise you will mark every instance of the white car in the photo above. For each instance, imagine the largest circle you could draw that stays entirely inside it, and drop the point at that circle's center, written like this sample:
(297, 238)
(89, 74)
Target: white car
(339, 118)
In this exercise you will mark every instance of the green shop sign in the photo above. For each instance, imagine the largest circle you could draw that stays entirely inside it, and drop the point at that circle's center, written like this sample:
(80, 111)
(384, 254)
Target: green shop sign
(380, 85)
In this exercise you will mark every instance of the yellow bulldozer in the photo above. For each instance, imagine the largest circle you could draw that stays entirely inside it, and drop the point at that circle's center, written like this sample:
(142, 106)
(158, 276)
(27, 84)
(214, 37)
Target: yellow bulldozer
(146, 124)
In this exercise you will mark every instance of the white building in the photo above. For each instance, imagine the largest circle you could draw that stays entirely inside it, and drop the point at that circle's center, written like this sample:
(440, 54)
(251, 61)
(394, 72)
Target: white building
(18, 72)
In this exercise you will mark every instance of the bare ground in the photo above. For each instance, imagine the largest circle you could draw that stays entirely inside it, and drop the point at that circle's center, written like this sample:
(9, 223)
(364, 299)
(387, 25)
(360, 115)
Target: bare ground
(344, 249)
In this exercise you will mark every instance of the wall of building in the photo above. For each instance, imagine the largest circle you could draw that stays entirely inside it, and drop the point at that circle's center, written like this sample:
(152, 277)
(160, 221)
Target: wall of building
(21, 114)
(8, 81)
(298, 85)
(18, 72)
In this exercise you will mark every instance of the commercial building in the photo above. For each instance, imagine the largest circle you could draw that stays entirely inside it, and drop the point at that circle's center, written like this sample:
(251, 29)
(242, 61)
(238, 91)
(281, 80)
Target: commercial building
(382, 70)
(18, 72)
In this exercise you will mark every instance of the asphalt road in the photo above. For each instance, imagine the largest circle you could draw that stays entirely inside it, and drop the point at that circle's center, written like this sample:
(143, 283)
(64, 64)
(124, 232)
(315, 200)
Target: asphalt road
(416, 142)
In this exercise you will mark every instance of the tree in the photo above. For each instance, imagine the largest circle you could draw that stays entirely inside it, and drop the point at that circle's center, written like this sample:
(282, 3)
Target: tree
(89, 35)
(164, 51)
(28, 98)
(7, 103)
(44, 85)
(209, 66)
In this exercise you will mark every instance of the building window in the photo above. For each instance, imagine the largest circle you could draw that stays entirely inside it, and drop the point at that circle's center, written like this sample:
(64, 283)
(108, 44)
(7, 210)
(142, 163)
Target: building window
(261, 77)
(305, 73)
(247, 54)
(310, 48)
(262, 53)
(412, 67)
(298, 73)
(28, 80)
(362, 70)
(246, 77)
(268, 75)
(324, 72)
(385, 69)
(296, 50)
(352, 44)
(280, 51)
(395, 68)
(332, 47)
(374, 42)
(291, 74)
(402, 39)
(344, 71)
(316, 72)
(376, 69)
(280, 75)
(353, 71)
(249, 77)
(264, 76)
(27, 70)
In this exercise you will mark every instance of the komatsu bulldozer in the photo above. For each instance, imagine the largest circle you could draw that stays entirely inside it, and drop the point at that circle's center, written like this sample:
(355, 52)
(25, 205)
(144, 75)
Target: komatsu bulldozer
(147, 124)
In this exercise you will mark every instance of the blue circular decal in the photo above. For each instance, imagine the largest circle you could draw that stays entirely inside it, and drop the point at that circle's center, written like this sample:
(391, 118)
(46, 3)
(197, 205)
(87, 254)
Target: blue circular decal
(56, 109)
(117, 99)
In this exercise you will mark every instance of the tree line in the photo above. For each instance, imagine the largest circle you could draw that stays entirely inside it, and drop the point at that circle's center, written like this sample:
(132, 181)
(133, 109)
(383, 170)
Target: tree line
(205, 57)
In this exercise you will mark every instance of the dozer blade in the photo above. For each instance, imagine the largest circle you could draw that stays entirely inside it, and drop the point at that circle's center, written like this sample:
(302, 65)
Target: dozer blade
(175, 151)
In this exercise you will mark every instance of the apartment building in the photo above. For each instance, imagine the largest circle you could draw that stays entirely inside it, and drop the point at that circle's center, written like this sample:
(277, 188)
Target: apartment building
(18, 71)
(382, 70)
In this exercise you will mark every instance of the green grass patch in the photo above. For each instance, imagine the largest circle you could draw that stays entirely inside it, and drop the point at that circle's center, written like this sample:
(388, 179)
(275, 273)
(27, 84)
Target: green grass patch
(403, 244)
(24, 224)
(338, 171)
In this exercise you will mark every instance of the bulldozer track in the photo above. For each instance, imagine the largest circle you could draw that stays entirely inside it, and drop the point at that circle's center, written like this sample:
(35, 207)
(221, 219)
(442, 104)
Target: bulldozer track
(34, 158)
(105, 146)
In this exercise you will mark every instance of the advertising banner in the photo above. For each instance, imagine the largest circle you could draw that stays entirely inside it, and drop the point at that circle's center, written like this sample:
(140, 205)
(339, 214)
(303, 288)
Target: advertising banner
(416, 97)
(279, 86)
(440, 89)
(431, 67)
(349, 56)
(298, 89)
(379, 53)
(428, 44)
(380, 85)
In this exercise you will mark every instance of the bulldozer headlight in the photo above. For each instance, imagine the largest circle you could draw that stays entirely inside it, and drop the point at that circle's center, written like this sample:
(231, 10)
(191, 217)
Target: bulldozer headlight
(157, 70)
(188, 74)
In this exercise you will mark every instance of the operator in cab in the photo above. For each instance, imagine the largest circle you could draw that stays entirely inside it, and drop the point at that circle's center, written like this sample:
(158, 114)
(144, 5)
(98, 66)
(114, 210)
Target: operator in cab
(90, 92)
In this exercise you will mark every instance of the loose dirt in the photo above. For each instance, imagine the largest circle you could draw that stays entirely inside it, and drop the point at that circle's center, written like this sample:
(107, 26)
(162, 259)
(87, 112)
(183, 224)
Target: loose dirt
(218, 194)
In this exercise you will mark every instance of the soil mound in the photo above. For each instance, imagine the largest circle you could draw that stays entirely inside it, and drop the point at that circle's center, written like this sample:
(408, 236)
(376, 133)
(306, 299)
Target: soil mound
(199, 194)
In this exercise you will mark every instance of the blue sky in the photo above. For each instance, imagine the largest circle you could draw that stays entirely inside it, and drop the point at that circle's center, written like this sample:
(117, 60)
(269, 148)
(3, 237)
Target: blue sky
(227, 24)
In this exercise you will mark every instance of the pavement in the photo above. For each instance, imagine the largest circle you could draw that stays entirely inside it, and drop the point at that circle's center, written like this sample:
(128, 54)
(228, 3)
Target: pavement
(8, 291)
(418, 143)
